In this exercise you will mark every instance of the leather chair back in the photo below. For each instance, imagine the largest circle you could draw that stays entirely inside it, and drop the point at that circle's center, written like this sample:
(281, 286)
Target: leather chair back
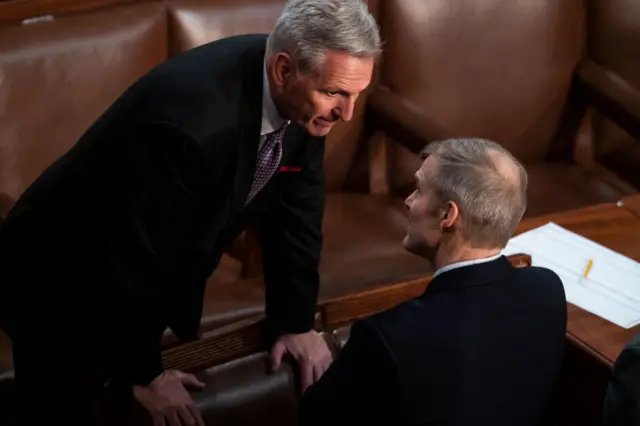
(612, 43)
(499, 69)
(58, 75)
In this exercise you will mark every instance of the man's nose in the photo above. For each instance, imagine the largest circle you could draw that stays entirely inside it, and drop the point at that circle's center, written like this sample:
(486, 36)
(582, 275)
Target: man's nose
(346, 109)
(409, 200)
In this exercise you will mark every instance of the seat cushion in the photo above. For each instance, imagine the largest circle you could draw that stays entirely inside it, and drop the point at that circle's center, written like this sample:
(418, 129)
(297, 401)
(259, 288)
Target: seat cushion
(555, 187)
(363, 245)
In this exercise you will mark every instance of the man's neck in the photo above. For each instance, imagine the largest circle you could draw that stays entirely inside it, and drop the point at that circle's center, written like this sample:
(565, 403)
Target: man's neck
(448, 257)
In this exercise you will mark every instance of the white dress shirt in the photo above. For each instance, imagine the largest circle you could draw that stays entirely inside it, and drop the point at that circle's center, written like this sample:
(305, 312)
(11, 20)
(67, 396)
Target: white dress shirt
(462, 264)
(271, 120)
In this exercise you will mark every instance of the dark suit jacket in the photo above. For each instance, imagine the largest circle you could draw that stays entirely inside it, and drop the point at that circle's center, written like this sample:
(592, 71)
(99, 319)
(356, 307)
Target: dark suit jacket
(622, 401)
(126, 227)
(482, 346)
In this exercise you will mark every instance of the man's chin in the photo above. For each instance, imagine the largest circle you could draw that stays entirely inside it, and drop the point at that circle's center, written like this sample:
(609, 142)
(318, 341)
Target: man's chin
(416, 247)
(409, 245)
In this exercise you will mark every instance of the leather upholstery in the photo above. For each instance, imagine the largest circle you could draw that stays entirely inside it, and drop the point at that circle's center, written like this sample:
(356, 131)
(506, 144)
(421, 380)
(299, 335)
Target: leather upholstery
(243, 391)
(612, 44)
(509, 80)
(499, 69)
(240, 392)
(193, 23)
(57, 77)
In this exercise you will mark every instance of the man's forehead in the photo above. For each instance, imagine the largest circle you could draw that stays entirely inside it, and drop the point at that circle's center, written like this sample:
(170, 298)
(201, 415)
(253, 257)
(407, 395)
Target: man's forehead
(345, 72)
(428, 165)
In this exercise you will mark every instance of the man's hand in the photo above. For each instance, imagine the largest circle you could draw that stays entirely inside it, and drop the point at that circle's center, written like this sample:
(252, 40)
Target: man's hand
(309, 350)
(166, 398)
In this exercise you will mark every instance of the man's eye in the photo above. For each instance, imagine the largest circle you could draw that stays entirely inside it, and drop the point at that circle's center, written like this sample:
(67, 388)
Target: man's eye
(331, 92)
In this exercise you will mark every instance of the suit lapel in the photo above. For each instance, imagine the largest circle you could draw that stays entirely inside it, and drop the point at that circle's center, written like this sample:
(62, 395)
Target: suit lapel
(289, 143)
(249, 122)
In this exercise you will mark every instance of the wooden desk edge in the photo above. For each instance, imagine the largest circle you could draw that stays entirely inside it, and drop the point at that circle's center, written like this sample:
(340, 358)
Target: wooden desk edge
(581, 344)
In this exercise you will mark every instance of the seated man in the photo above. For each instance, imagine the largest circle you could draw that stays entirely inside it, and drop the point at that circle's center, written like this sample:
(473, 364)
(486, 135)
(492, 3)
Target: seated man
(485, 342)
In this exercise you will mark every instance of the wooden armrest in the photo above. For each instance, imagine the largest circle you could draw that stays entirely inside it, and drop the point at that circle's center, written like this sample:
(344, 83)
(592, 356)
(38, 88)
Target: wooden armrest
(227, 343)
(612, 96)
(403, 120)
(217, 346)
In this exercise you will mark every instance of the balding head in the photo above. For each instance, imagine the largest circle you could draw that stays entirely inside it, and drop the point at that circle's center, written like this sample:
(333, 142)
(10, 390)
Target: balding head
(485, 181)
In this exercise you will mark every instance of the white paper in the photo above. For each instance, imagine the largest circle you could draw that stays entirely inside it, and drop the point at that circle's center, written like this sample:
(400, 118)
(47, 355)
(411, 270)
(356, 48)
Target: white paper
(612, 287)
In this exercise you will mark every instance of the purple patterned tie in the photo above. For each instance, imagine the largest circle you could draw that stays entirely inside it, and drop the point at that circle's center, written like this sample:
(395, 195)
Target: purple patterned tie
(267, 161)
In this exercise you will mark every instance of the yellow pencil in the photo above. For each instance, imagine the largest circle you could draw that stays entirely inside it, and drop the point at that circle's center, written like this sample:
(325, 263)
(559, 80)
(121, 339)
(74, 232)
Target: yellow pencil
(588, 268)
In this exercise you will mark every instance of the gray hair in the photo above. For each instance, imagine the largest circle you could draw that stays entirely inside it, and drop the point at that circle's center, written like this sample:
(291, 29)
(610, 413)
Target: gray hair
(307, 28)
(486, 182)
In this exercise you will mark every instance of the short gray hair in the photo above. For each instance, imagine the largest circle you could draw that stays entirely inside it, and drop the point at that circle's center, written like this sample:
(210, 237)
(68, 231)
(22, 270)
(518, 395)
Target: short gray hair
(471, 173)
(306, 28)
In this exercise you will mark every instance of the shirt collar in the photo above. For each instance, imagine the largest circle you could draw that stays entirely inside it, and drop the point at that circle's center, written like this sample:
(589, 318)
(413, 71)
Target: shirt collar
(451, 266)
(271, 119)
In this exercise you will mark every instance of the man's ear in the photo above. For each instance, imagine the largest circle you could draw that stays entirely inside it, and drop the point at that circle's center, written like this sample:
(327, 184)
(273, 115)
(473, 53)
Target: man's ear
(283, 69)
(449, 215)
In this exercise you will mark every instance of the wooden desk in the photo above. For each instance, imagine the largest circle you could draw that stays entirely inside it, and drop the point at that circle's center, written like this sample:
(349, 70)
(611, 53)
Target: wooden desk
(632, 203)
(618, 229)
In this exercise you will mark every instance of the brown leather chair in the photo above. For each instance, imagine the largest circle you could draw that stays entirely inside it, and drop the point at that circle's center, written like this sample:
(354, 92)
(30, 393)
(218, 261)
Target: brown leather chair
(503, 70)
(615, 54)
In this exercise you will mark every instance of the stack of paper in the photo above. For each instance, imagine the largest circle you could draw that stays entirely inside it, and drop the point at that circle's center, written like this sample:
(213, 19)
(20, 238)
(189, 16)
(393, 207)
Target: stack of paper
(612, 287)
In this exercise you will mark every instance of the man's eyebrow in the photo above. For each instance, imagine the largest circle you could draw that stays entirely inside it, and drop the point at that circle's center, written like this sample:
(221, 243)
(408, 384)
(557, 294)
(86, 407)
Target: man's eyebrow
(340, 91)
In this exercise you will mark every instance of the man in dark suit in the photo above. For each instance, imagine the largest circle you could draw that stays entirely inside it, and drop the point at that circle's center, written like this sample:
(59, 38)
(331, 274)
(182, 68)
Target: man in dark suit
(622, 401)
(484, 344)
(115, 240)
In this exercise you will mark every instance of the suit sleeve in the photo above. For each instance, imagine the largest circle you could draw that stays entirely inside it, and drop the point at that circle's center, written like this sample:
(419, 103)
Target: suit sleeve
(291, 238)
(155, 216)
(622, 401)
(358, 388)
